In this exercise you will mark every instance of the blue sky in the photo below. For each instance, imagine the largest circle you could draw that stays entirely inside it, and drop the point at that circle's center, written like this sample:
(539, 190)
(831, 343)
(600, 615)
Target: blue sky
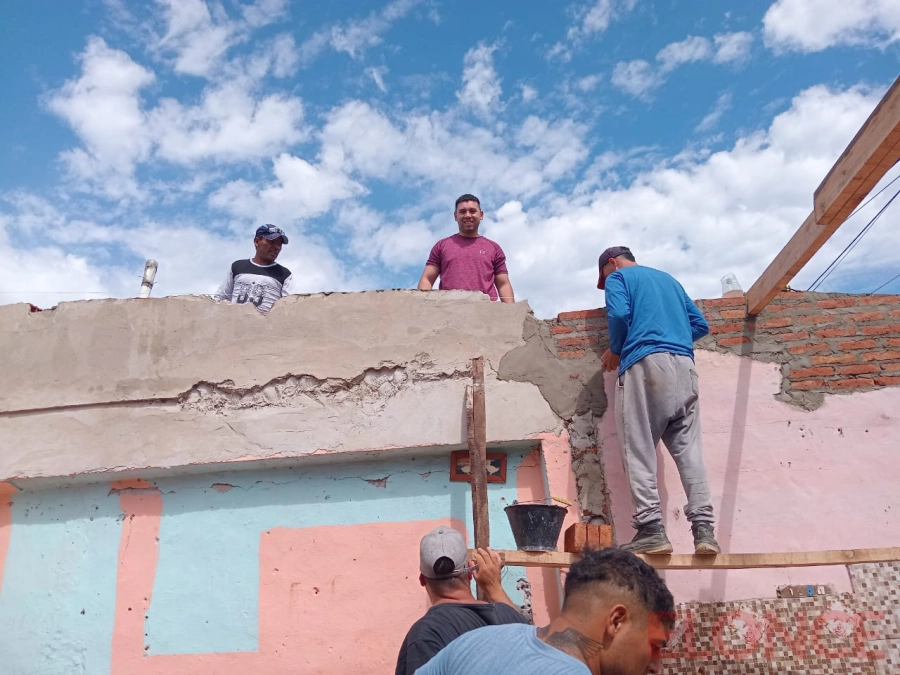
(693, 132)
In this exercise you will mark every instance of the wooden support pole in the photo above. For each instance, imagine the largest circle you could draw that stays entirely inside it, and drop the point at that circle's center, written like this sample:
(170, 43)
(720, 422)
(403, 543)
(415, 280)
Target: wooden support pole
(729, 561)
(477, 437)
(476, 432)
(871, 153)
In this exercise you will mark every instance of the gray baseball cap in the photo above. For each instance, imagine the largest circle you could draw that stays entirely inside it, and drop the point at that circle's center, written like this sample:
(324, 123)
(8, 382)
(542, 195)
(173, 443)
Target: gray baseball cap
(443, 554)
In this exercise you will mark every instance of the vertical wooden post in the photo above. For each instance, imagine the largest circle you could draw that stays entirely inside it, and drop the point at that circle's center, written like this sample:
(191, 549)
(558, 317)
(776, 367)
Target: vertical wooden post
(477, 438)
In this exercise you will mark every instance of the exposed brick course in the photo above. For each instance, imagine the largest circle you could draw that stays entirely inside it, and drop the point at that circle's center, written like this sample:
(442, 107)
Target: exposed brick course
(825, 343)
(831, 358)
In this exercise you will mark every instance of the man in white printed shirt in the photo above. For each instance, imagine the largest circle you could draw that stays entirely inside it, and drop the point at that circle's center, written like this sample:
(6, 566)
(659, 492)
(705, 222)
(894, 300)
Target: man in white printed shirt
(260, 280)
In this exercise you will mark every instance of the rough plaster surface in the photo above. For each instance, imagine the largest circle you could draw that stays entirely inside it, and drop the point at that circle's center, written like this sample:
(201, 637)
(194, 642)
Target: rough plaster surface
(111, 351)
(132, 384)
(574, 390)
(563, 383)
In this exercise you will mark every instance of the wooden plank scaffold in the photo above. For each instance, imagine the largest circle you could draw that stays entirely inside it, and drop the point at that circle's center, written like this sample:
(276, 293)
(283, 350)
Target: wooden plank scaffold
(723, 561)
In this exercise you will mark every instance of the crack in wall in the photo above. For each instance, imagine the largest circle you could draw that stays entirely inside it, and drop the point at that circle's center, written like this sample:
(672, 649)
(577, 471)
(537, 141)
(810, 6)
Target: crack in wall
(371, 388)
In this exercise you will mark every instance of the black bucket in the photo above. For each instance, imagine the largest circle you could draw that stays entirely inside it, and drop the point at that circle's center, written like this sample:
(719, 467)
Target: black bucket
(536, 527)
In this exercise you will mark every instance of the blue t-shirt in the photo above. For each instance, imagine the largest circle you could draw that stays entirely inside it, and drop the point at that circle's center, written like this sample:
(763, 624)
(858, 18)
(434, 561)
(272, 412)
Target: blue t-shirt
(513, 649)
(648, 312)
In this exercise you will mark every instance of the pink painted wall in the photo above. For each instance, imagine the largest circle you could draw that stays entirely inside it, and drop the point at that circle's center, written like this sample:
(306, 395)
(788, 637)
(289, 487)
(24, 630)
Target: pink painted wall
(331, 599)
(783, 479)
(6, 492)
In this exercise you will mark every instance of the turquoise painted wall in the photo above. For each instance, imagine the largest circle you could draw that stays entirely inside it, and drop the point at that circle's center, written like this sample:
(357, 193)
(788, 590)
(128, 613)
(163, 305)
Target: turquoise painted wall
(58, 595)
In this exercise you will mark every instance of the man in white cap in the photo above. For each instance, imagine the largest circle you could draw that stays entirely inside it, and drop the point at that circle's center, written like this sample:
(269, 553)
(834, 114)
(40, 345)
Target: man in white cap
(446, 573)
(259, 280)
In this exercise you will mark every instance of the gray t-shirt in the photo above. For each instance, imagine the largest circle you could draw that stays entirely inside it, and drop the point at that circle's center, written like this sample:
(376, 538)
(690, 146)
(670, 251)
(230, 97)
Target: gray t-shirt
(513, 649)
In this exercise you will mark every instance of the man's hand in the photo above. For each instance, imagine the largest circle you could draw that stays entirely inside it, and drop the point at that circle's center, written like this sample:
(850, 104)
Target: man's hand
(487, 576)
(609, 361)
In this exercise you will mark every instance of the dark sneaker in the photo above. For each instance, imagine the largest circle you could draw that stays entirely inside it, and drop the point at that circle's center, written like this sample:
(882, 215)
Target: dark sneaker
(704, 541)
(650, 538)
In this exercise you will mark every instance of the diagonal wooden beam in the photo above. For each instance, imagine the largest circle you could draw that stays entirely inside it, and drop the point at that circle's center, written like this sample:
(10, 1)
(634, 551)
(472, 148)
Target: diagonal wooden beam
(871, 153)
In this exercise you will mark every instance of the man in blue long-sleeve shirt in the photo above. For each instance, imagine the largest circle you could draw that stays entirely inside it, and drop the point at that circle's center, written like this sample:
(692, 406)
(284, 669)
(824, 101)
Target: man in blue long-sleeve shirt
(652, 328)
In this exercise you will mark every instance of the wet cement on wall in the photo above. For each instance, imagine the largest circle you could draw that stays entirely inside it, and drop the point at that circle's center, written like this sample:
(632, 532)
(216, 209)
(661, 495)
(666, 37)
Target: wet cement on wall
(574, 390)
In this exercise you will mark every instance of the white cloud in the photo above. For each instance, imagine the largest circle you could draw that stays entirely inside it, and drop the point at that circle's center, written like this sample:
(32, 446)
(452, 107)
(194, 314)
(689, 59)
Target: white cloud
(732, 47)
(284, 55)
(264, 12)
(200, 35)
(377, 75)
(441, 150)
(557, 146)
(722, 105)
(388, 240)
(597, 17)
(590, 20)
(228, 125)
(814, 25)
(529, 93)
(481, 84)
(197, 39)
(729, 211)
(637, 78)
(588, 83)
(355, 37)
(103, 107)
(692, 48)
(559, 52)
(301, 191)
(87, 259)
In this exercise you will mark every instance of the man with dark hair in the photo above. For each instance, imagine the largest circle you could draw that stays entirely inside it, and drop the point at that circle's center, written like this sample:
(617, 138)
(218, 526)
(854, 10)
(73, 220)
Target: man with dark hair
(653, 325)
(466, 260)
(615, 620)
(446, 573)
(260, 280)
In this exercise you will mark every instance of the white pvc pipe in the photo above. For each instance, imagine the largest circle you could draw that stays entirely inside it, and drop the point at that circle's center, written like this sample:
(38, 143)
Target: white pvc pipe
(149, 276)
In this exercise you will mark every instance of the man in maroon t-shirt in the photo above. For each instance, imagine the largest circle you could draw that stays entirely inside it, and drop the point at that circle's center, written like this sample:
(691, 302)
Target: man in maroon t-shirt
(467, 261)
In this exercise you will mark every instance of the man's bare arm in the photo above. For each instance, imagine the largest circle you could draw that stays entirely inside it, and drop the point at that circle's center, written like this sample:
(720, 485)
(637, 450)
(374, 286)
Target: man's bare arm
(504, 288)
(429, 276)
(488, 576)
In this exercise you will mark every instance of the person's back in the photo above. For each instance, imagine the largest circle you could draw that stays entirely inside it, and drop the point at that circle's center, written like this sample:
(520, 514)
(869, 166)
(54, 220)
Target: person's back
(660, 316)
(446, 574)
(445, 622)
(503, 650)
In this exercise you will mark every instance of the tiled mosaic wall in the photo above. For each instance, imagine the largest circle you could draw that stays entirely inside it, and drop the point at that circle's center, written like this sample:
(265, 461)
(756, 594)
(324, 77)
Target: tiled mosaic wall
(876, 588)
(848, 634)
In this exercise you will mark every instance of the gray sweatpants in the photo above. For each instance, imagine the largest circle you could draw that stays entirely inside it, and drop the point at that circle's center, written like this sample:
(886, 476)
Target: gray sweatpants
(658, 398)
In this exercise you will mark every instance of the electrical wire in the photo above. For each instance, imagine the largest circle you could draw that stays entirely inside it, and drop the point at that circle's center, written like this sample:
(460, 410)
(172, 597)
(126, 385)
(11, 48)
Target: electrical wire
(883, 285)
(843, 254)
(869, 200)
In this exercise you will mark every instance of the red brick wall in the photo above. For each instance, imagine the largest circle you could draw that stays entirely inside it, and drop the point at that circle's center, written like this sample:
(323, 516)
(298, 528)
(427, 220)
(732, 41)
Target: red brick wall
(825, 342)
